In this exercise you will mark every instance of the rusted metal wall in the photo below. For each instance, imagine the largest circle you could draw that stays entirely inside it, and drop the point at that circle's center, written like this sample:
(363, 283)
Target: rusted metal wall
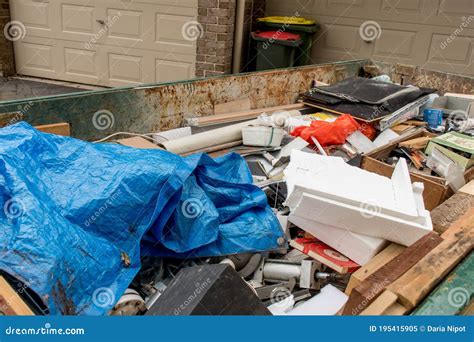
(145, 109)
(442, 81)
(159, 107)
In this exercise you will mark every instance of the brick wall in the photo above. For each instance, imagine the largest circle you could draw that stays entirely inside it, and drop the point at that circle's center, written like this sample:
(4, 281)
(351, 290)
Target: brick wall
(215, 47)
(7, 61)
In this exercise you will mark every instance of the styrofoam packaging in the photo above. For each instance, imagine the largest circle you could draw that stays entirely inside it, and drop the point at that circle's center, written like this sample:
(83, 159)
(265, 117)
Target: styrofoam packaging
(262, 136)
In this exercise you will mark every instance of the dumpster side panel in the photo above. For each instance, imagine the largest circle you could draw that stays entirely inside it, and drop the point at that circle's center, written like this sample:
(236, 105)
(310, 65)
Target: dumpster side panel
(444, 82)
(159, 107)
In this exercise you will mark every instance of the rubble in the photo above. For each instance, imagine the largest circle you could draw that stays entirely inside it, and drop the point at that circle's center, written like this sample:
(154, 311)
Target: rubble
(316, 208)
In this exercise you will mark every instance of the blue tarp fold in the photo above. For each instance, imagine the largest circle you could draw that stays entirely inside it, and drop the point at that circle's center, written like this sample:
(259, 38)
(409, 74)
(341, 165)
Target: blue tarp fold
(77, 216)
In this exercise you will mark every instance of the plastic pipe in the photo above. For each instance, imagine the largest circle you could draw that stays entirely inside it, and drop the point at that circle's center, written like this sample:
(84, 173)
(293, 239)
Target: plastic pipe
(238, 36)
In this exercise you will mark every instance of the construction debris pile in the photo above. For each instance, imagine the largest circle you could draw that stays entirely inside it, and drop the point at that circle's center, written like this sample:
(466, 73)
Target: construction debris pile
(333, 205)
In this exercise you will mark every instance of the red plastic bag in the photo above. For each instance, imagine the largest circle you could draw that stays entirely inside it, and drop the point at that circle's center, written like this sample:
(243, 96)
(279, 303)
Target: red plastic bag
(332, 133)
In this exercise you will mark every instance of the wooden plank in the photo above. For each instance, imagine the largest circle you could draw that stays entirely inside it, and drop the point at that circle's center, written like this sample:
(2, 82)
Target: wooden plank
(243, 115)
(366, 292)
(415, 284)
(468, 188)
(454, 293)
(400, 128)
(233, 106)
(386, 255)
(444, 215)
(469, 310)
(11, 303)
(62, 128)
(417, 143)
(387, 301)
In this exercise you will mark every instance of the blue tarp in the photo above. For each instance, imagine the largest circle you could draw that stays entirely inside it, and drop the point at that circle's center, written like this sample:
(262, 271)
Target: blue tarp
(77, 216)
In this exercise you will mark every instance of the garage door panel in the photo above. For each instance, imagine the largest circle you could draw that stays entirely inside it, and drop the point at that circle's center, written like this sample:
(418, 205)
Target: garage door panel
(37, 56)
(128, 24)
(107, 42)
(396, 43)
(167, 71)
(456, 51)
(126, 69)
(77, 19)
(402, 6)
(412, 31)
(80, 62)
(456, 7)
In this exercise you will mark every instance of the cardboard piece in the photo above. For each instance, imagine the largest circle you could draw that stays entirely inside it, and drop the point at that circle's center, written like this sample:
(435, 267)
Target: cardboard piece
(138, 142)
(62, 128)
(436, 189)
(454, 144)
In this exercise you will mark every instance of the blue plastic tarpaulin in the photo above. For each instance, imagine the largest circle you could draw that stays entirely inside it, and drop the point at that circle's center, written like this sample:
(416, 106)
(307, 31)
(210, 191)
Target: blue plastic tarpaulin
(77, 216)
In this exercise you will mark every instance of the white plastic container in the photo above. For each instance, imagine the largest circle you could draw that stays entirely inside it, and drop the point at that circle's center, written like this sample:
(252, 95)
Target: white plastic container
(262, 136)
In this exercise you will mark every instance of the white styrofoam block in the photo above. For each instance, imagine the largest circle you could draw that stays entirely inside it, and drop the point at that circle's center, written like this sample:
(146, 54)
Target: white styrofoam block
(359, 248)
(328, 302)
(333, 176)
(327, 190)
(402, 188)
(375, 222)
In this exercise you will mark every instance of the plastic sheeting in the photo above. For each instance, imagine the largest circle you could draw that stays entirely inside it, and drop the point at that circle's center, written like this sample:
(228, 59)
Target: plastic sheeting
(77, 216)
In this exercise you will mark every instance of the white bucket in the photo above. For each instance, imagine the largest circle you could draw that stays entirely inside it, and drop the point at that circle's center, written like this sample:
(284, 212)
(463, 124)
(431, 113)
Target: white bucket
(262, 136)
